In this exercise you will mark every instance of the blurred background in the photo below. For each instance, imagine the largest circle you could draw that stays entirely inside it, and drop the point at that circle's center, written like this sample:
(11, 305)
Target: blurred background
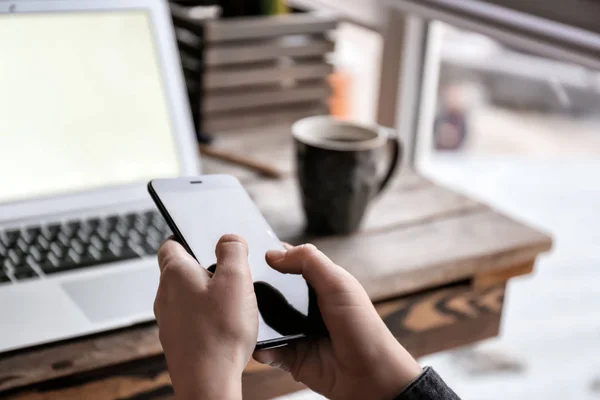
(520, 131)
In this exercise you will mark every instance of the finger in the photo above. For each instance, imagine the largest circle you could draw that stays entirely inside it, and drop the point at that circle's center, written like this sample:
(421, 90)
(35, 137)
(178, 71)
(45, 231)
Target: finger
(232, 258)
(178, 267)
(287, 245)
(172, 253)
(316, 268)
(282, 357)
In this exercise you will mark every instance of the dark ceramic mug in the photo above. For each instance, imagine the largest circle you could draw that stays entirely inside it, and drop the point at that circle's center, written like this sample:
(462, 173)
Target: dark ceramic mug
(340, 168)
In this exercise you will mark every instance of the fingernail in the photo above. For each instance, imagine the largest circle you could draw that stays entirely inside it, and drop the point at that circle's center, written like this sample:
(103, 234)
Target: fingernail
(276, 255)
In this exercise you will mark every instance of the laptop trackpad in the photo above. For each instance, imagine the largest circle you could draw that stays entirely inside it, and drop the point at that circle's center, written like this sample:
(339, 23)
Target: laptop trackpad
(115, 296)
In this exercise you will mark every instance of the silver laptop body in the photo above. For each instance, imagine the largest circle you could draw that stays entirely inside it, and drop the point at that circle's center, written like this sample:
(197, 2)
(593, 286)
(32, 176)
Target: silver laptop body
(92, 106)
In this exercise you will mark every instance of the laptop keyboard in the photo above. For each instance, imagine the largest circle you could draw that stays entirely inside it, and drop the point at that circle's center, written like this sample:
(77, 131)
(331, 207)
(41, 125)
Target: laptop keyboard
(38, 250)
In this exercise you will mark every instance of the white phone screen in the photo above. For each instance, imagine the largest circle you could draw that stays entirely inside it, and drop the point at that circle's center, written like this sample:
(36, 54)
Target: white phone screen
(202, 214)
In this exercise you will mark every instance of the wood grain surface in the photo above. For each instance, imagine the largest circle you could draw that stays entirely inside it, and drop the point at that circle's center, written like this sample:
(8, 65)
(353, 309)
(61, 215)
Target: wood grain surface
(260, 27)
(444, 319)
(434, 253)
(271, 144)
(424, 323)
(228, 101)
(148, 380)
(236, 78)
(266, 49)
(265, 170)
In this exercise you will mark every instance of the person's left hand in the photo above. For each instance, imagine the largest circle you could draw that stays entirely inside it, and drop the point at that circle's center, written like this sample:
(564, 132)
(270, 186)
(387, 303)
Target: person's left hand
(208, 324)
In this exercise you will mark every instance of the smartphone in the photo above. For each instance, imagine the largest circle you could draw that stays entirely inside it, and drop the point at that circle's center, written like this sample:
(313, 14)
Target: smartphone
(199, 210)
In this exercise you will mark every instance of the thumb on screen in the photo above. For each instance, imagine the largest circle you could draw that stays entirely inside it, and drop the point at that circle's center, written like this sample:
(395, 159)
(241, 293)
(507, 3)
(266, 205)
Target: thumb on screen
(232, 259)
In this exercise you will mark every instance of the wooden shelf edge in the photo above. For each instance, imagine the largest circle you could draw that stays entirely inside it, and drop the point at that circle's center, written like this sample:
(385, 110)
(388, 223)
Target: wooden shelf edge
(138, 348)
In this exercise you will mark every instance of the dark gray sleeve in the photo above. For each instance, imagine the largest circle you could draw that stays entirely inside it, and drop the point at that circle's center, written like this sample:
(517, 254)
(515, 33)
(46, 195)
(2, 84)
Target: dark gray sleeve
(428, 386)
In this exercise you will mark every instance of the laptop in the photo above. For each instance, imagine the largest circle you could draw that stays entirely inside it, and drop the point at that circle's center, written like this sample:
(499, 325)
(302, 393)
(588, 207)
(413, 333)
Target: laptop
(92, 106)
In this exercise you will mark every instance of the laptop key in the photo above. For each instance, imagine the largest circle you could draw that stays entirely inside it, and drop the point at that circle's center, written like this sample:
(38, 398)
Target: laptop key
(22, 245)
(57, 250)
(31, 262)
(35, 253)
(73, 225)
(114, 249)
(126, 253)
(131, 217)
(93, 222)
(83, 236)
(88, 227)
(155, 234)
(63, 238)
(7, 266)
(116, 239)
(32, 231)
(9, 237)
(42, 243)
(112, 220)
(103, 234)
(149, 248)
(164, 230)
(97, 243)
(54, 259)
(50, 231)
(122, 229)
(134, 236)
(73, 258)
(141, 226)
(14, 257)
(77, 246)
(50, 264)
(93, 253)
(29, 235)
(23, 265)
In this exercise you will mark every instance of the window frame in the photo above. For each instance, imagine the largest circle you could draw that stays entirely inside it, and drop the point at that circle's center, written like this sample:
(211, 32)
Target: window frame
(410, 60)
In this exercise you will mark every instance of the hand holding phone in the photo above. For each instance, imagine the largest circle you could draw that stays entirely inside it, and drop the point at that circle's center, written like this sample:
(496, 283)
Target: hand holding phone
(207, 346)
(208, 322)
(203, 332)
(200, 210)
(360, 359)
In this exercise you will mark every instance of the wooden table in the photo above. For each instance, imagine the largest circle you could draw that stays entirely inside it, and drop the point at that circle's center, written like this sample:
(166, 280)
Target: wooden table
(435, 262)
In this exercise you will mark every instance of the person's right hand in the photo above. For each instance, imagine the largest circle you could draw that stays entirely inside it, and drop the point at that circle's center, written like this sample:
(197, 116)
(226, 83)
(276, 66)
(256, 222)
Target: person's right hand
(361, 359)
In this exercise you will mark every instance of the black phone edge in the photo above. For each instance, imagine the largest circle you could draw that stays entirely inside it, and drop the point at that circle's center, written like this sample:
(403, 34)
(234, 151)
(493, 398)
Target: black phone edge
(165, 214)
(265, 344)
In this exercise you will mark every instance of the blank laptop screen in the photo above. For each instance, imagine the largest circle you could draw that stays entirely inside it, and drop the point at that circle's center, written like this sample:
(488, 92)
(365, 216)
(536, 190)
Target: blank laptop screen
(82, 104)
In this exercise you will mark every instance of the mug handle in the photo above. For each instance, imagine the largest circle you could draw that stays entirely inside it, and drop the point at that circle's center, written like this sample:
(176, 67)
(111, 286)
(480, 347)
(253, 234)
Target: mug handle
(396, 157)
